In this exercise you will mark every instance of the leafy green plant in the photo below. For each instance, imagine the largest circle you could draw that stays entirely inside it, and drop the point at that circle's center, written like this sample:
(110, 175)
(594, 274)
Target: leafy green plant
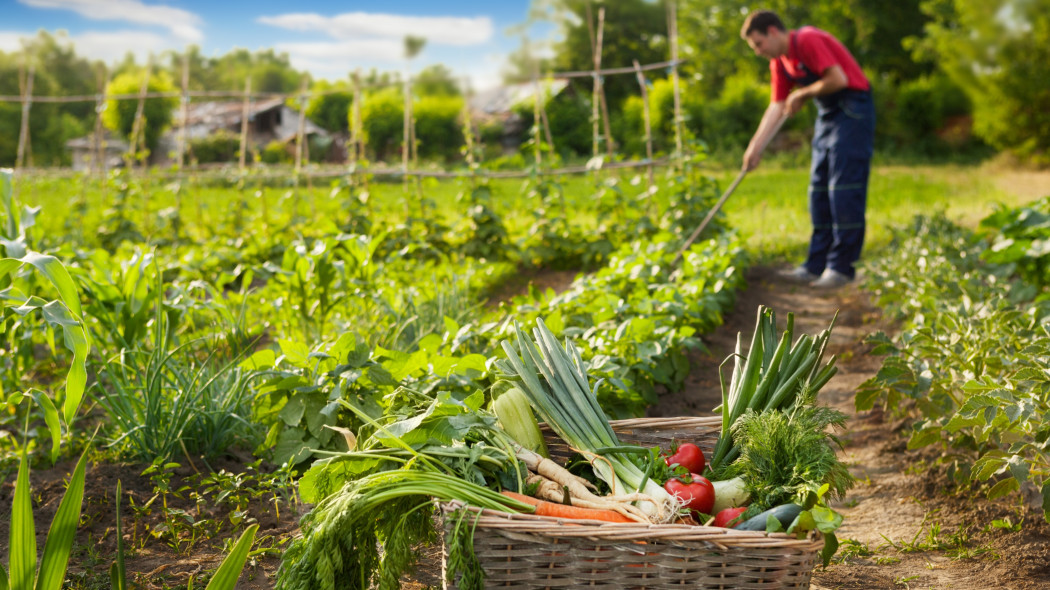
(972, 361)
(64, 313)
(22, 557)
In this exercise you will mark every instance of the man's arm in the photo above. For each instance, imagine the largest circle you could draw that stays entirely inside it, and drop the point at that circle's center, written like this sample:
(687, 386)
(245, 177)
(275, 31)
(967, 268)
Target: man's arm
(833, 80)
(766, 128)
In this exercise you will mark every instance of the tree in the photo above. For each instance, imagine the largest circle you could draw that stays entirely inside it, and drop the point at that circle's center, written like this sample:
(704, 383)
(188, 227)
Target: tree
(329, 106)
(435, 80)
(633, 30)
(876, 34)
(57, 71)
(157, 112)
(382, 120)
(999, 52)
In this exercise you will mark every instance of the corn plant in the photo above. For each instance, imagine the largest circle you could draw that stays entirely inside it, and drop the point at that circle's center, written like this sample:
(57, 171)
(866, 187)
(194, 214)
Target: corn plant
(25, 572)
(64, 313)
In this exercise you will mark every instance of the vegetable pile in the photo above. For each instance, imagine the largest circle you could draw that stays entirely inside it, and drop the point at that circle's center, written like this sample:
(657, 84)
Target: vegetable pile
(772, 470)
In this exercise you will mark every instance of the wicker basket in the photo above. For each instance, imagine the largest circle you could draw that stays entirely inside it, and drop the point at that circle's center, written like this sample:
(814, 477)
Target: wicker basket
(525, 551)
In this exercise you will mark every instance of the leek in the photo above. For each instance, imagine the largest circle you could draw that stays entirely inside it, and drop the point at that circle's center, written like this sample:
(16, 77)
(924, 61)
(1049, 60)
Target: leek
(772, 376)
(552, 377)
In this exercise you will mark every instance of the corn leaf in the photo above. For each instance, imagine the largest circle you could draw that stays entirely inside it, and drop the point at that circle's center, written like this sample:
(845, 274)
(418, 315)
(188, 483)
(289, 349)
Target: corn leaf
(22, 545)
(51, 419)
(59, 543)
(117, 573)
(226, 576)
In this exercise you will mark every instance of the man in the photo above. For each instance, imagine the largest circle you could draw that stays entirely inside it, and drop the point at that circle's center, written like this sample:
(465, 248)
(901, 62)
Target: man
(805, 64)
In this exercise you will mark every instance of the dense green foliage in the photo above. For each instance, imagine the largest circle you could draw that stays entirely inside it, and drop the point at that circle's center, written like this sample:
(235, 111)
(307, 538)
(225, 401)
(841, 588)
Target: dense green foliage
(157, 113)
(999, 52)
(971, 364)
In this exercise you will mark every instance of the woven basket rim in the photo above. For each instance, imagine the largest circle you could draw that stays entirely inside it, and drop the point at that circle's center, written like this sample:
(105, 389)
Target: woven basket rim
(616, 531)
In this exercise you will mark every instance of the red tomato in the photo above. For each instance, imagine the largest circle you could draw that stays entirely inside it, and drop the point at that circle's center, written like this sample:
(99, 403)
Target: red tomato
(725, 516)
(689, 456)
(698, 495)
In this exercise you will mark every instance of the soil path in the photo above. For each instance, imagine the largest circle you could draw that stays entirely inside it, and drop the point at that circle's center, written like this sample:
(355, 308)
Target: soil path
(904, 525)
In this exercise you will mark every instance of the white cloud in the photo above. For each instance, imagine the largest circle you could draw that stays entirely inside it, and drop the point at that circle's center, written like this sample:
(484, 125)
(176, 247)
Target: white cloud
(442, 30)
(11, 41)
(110, 46)
(183, 25)
(382, 50)
(107, 46)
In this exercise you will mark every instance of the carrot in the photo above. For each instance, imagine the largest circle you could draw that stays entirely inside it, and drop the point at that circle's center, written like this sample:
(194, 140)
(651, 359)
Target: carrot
(521, 497)
(555, 510)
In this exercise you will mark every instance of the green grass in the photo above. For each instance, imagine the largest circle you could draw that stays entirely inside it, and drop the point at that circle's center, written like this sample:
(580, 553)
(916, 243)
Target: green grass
(770, 207)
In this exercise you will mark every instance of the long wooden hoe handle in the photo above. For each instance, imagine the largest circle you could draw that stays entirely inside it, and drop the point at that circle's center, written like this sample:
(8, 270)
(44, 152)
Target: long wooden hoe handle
(725, 196)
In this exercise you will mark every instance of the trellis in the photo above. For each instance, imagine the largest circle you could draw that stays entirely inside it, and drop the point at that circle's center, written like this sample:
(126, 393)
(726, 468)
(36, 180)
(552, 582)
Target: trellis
(601, 129)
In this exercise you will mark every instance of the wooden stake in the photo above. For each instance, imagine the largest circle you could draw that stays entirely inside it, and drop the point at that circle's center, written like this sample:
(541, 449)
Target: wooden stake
(99, 164)
(536, 119)
(598, 101)
(184, 107)
(645, 116)
(300, 134)
(357, 146)
(23, 130)
(672, 30)
(407, 109)
(246, 110)
(138, 127)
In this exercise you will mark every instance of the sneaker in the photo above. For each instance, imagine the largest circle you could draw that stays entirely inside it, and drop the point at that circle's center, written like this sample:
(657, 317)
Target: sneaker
(799, 274)
(831, 279)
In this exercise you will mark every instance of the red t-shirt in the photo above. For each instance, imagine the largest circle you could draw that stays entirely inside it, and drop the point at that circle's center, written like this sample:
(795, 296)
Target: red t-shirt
(818, 50)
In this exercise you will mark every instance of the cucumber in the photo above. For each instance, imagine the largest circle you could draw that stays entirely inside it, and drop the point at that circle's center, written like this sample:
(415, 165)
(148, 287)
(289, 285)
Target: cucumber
(785, 513)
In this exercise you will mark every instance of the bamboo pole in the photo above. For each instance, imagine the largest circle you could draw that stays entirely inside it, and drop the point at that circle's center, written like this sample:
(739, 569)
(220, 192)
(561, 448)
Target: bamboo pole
(536, 120)
(99, 163)
(407, 111)
(300, 133)
(184, 108)
(357, 147)
(648, 125)
(246, 110)
(599, 102)
(468, 131)
(23, 130)
(672, 30)
(137, 128)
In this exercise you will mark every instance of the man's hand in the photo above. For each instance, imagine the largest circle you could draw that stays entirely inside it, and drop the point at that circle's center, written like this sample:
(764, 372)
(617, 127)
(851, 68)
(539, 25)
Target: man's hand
(795, 101)
(751, 159)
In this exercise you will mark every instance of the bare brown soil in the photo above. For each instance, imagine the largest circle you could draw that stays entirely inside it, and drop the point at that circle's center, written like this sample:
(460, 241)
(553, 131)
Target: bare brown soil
(918, 531)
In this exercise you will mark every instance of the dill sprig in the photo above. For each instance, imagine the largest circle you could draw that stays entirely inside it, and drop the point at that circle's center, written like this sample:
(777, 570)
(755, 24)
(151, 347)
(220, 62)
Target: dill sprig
(787, 454)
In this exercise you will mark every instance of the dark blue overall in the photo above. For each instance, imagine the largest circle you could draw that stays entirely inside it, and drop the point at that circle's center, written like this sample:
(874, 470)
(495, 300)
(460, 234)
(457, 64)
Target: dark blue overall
(838, 190)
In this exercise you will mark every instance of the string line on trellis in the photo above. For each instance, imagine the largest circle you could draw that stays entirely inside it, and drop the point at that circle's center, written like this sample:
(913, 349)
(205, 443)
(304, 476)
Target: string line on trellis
(409, 152)
(663, 65)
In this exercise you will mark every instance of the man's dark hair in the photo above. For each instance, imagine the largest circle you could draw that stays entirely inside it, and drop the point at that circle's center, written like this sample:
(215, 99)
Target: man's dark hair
(760, 21)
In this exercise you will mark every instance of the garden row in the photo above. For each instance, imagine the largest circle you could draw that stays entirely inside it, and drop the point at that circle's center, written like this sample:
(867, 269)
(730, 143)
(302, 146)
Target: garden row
(189, 350)
(972, 365)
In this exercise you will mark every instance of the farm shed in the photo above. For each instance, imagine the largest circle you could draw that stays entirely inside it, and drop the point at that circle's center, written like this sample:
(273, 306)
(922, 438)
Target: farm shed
(84, 150)
(496, 105)
(268, 120)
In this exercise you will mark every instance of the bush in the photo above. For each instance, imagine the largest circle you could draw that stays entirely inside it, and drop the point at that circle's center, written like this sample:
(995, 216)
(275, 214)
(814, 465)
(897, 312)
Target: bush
(731, 120)
(221, 146)
(569, 115)
(157, 113)
(382, 121)
(275, 152)
(438, 128)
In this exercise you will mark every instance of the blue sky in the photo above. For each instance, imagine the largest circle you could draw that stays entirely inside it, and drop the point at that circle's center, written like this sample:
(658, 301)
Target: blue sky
(327, 38)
